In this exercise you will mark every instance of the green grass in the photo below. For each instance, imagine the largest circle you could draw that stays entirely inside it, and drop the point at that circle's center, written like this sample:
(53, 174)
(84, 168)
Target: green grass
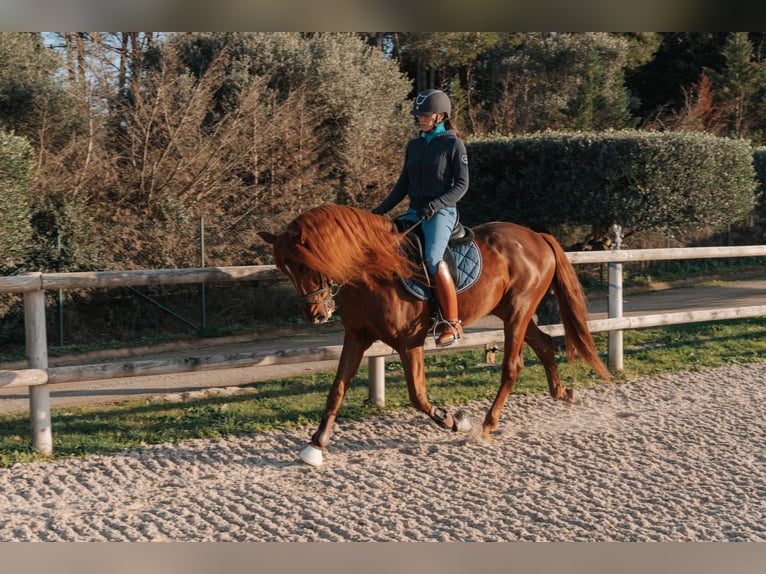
(453, 378)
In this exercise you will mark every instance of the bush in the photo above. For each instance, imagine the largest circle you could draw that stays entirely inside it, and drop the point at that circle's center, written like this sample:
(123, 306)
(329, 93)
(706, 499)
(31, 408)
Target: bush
(16, 176)
(639, 180)
(759, 163)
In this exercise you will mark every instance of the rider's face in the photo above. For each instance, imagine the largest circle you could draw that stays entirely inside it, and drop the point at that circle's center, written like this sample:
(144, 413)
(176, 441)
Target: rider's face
(427, 122)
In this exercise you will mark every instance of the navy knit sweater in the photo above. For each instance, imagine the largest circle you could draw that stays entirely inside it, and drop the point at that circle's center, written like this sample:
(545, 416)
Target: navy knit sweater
(434, 174)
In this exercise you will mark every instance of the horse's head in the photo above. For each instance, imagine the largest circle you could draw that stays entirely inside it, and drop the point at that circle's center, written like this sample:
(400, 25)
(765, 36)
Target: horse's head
(330, 245)
(317, 291)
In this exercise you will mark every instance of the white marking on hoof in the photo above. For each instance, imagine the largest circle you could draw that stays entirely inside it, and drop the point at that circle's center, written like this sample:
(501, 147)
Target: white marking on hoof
(311, 456)
(463, 422)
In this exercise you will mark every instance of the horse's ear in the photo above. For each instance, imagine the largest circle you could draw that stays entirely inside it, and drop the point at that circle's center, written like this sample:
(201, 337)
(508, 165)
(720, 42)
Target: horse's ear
(268, 237)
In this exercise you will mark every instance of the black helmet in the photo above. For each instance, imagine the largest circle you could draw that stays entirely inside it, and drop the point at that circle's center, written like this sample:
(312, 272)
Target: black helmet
(431, 102)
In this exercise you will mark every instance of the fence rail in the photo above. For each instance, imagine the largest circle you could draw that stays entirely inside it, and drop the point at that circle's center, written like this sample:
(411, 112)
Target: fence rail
(38, 376)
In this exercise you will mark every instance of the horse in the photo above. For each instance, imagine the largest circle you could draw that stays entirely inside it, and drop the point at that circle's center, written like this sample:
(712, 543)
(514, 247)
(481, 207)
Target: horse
(336, 249)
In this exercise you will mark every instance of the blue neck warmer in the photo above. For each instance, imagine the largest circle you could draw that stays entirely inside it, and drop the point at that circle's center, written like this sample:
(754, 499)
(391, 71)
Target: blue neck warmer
(438, 130)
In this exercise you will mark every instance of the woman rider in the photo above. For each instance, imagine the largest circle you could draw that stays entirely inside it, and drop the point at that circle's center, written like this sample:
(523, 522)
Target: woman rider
(435, 178)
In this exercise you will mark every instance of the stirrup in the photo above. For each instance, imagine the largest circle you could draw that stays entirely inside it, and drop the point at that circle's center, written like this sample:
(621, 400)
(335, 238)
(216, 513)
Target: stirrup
(450, 333)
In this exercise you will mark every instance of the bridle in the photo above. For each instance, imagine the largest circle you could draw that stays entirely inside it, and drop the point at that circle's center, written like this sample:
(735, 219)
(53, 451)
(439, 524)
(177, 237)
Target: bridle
(324, 296)
(328, 290)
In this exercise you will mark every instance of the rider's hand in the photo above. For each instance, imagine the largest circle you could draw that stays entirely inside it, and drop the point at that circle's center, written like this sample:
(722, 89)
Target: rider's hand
(426, 212)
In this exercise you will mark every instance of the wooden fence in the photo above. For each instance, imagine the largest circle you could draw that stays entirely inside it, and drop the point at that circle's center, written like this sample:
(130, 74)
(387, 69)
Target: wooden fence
(38, 376)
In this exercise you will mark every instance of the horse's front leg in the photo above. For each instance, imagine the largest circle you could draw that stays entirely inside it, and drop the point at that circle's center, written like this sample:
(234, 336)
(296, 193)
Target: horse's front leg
(354, 346)
(414, 373)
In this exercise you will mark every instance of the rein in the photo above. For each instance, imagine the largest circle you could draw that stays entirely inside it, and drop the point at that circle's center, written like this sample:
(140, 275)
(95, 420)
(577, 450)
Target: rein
(413, 226)
(405, 230)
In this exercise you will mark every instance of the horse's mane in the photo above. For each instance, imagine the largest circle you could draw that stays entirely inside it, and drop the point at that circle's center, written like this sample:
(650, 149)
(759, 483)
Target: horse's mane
(345, 244)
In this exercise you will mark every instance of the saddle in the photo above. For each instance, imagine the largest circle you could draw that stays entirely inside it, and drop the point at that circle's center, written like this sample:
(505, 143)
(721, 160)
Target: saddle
(462, 257)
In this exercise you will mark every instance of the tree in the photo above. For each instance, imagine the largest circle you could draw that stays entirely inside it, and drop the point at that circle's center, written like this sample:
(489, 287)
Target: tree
(236, 127)
(658, 84)
(698, 114)
(347, 104)
(29, 93)
(736, 85)
(451, 61)
(555, 81)
(601, 100)
(359, 100)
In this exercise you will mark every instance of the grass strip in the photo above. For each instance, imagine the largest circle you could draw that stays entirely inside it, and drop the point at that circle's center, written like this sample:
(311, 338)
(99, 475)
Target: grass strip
(453, 378)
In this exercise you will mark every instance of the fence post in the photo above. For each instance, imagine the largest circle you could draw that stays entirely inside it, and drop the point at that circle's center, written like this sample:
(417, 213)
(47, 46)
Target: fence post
(615, 348)
(37, 358)
(203, 296)
(377, 376)
(60, 248)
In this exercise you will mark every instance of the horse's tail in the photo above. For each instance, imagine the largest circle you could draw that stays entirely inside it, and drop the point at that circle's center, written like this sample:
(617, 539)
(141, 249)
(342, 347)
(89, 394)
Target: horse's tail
(574, 311)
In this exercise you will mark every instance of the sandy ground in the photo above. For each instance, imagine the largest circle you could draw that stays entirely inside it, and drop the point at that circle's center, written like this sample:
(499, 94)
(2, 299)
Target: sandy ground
(677, 458)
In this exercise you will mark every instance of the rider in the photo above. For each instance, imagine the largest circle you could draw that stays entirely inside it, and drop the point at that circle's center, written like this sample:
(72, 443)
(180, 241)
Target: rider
(435, 177)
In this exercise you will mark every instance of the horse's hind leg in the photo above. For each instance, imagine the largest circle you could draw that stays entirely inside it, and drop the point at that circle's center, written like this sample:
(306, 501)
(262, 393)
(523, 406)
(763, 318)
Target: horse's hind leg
(512, 364)
(542, 344)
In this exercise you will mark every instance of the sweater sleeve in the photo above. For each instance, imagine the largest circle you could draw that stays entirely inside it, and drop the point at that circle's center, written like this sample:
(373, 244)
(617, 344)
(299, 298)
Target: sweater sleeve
(459, 165)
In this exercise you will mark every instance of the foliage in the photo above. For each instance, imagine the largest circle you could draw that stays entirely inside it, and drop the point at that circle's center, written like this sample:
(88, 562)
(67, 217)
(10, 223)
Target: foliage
(519, 82)
(30, 96)
(243, 128)
(724, 69)
(759, 163)
(568, 81)
(337, 110)
(453, 379)
(139, 134)
(360, 99)
(63, 236)
(699, 114)
(677, 63)
(740, 85)
(16, 177)
(639, 180)
(601, 100)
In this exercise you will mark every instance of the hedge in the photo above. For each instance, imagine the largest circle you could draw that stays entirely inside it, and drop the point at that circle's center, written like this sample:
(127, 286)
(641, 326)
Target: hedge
(16, 177)
(639, 180)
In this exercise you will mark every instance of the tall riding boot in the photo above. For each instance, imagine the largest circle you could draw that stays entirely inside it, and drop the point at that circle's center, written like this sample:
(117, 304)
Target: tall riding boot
(450, 329)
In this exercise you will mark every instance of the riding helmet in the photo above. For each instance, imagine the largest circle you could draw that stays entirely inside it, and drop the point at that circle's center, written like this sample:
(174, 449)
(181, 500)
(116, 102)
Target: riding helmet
(431, 102)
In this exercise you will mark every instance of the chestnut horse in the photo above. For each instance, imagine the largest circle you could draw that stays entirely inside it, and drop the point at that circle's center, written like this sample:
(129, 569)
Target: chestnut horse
(335, 248)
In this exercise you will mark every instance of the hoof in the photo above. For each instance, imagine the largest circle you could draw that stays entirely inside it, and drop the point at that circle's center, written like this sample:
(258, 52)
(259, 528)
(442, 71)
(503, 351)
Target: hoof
(462, 422)
(311, 456)
(484, 438)
(573, 397)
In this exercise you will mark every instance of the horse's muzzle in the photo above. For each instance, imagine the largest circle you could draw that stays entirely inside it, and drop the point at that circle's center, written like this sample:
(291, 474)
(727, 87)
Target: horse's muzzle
(318, 313)
(319, 305)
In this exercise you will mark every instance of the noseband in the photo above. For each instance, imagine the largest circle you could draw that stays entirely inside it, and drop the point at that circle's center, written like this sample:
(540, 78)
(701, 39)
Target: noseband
(324, 296)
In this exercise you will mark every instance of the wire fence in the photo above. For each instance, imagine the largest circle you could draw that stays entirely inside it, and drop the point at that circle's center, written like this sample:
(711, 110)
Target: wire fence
(105, 317)
(112, 316)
